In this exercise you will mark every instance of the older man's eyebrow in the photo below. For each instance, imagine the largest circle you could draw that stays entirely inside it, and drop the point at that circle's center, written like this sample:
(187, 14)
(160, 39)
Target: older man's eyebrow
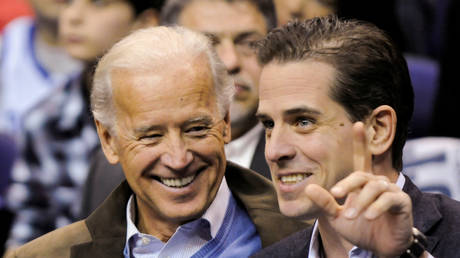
(146, 129)
(205, 119)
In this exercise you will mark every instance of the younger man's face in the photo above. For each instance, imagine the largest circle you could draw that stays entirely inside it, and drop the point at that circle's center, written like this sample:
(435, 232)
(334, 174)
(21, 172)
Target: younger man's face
(308, 135)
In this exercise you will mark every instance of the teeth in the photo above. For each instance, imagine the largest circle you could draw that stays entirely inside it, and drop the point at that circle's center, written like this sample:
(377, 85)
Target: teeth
(294, 178)
(177, 182)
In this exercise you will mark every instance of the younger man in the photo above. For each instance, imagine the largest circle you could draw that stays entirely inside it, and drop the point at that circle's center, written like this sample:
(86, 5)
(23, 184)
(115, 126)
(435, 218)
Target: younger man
(336, 100)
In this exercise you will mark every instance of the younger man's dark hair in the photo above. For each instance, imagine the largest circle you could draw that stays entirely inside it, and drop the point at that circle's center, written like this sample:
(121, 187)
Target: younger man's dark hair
(370, 71)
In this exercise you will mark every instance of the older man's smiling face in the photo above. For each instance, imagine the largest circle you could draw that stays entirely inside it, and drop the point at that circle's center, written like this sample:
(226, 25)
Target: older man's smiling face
(169, 138)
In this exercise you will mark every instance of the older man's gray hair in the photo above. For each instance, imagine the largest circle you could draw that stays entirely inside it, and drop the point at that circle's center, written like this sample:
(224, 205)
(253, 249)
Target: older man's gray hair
(151, 48)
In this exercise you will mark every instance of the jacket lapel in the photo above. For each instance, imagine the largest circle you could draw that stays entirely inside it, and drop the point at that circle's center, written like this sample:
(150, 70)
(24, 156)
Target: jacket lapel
(425, 212)
(258, 163)
(107, 226)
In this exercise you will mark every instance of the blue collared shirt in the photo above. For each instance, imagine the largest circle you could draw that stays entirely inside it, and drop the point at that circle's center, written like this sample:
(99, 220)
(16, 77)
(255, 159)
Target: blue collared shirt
(206, 234)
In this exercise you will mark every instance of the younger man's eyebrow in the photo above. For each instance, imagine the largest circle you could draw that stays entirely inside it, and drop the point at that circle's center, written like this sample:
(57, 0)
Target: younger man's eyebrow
(262, 116)
(301, 110)
(290, 112)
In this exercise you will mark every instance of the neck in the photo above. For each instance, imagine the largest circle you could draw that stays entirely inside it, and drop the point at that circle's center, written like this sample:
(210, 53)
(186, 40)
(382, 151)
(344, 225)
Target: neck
(148, 222)
(333, 244)
(47, 31)
(383, 165)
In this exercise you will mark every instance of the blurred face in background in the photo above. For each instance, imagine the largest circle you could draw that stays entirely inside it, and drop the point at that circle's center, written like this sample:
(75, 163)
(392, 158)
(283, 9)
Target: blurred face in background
(48, 9)
(232, 26)
(89, 27)
(287, 10)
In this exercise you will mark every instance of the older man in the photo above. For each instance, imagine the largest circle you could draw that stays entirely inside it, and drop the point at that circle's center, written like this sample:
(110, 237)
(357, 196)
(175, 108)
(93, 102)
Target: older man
(232, 26)
(161, 102)
(335, 100)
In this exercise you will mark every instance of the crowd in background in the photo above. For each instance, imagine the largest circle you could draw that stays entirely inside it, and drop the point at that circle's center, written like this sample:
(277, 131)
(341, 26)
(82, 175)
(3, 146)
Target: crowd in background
(47, 135)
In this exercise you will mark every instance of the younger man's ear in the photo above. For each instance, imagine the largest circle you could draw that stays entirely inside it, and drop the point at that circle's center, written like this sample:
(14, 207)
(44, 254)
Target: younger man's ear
(107, 143)
(382, 129)
(148, 18)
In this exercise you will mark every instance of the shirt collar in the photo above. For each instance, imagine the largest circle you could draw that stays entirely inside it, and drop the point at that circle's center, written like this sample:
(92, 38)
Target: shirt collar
(214, 214)
(241, 150)
(313, 251)
(400, 181)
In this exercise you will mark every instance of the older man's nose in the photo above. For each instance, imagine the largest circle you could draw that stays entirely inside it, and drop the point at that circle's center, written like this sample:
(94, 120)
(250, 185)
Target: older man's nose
(177, 156)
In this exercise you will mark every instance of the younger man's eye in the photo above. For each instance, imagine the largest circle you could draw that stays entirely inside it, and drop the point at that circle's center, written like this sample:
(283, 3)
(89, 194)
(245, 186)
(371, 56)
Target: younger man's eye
(100, 3)
(303, 122)
(268, 124)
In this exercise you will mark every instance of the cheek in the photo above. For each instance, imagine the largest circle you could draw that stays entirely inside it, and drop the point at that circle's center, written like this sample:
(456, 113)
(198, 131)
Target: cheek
(136, 158)
(316, 147)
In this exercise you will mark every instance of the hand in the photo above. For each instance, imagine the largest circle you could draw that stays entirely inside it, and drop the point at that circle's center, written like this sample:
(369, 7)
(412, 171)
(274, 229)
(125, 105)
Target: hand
(376, 214)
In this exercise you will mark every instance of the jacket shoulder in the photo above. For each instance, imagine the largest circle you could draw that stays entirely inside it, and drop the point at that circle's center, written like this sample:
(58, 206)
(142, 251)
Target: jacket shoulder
(56, 243)
(295, 245)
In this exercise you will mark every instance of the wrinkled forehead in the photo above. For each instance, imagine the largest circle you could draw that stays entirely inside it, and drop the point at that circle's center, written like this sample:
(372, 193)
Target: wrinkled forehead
(173, 83)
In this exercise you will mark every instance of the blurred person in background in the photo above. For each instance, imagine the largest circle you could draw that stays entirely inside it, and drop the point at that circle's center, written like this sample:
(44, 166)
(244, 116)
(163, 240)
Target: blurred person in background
(287, 10)
(11, 9)
(59, 133)
(33, 65)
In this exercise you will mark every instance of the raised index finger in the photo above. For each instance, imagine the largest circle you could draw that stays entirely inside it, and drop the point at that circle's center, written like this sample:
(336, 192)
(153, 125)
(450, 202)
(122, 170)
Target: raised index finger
(362, 158)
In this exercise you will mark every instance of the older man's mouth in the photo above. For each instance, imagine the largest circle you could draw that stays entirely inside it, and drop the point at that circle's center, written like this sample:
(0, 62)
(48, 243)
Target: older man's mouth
(294, 178)
(178, 182)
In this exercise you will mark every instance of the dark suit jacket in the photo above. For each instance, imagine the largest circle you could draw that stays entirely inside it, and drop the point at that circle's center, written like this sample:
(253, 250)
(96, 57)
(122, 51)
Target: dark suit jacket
(103, 177)
(436, 215)
(103, 233)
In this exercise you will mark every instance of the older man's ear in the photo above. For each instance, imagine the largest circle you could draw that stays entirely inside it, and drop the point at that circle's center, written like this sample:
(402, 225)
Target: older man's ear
(107, 143)
(227, 131)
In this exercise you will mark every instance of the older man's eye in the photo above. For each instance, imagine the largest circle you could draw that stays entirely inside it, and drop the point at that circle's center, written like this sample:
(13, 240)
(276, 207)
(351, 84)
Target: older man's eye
(150, 137)
(197, 130)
